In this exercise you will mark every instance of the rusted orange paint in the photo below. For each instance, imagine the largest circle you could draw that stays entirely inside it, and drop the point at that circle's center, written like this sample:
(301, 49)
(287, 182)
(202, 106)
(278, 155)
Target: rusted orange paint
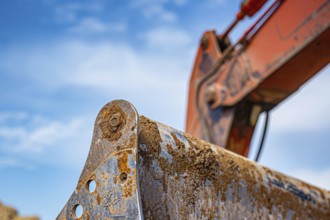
(122, 162)
(98, 199)
(123, 167)
(279, 56)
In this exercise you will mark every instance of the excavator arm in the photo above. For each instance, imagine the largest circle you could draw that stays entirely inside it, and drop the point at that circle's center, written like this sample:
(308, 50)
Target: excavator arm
(231, 85)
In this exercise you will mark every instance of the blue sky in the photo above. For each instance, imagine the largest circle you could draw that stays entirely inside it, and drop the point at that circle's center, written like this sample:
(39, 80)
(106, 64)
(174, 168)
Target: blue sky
(61, 61)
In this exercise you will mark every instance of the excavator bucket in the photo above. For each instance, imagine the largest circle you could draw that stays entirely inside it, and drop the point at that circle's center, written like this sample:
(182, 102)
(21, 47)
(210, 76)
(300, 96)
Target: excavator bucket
(147, 170)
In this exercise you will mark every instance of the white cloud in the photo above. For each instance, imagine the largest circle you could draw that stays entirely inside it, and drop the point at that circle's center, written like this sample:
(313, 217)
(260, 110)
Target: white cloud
(106, 66)
(158, 11)
(13, 116)
(69, 12)
(83, 18)
(38, 139)
(167, 38)
(10, 162)
(35, 140)
(93, 25)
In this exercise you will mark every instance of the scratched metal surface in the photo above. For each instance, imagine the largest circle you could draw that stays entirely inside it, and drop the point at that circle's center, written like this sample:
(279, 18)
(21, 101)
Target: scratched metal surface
(111, 163)
(147, 170)
(182, 177)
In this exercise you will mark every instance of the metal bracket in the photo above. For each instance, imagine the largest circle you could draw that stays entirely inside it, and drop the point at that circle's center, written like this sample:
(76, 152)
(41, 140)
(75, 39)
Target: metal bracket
(111, 165)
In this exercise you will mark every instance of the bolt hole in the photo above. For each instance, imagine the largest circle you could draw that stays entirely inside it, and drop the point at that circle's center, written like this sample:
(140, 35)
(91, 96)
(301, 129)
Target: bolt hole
(91, 186)
(78, 211)
(123, 176)
(210, 102)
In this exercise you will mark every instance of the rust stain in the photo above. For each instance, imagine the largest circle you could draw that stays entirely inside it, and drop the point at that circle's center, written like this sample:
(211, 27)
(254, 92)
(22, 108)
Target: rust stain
(122, 162)
(109, 132)
(149, 135)
(98, 199)
(132, 142)
(196, 166)
(134, 182)
(115, 132)
(123, 167)
(127, 189)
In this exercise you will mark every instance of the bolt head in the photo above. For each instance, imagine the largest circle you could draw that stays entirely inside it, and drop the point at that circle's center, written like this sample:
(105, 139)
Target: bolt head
(210, 94)
(214, 95)
(115, 121)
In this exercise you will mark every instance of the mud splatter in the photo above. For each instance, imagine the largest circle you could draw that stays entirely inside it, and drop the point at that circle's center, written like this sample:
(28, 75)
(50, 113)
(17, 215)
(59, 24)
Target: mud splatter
(110, 132)
(199, 177)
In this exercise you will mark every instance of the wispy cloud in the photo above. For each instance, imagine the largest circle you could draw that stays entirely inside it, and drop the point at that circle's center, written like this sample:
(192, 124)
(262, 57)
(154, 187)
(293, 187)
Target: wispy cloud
(22, 138)
(37, 139)
(107, 66)
(158, 11)
(12, 116)
(167, 38)
(93, 25)
(69, 12)
(11, 162)
(86, 18)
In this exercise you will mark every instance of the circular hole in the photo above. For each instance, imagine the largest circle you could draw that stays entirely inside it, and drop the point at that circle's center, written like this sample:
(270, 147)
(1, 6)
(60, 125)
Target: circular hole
(210, 102)
(123, 176)
(91, 186)
(78, 211)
